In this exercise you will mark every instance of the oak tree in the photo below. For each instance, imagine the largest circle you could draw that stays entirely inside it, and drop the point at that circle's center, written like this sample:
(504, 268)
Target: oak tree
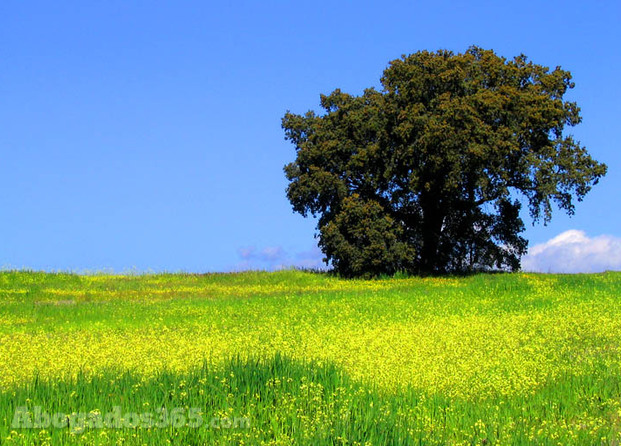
(427, 175)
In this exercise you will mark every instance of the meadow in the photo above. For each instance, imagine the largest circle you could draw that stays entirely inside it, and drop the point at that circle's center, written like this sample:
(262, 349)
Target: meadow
(295, 357)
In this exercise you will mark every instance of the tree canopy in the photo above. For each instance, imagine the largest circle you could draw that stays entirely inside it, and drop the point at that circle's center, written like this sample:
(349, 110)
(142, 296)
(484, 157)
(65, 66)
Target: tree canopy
(428, 174)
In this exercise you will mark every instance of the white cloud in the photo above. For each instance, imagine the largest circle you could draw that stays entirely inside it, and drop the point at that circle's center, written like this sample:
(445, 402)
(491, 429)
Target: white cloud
(574, 252)
(569, 252)
(275, 257)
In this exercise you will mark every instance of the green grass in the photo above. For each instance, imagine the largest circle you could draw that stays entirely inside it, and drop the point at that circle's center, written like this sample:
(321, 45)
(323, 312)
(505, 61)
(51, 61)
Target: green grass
(301, 358)
(281, 401)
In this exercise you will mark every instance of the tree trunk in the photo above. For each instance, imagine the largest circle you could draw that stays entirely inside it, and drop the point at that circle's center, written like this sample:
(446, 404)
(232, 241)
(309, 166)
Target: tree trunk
(433, 218)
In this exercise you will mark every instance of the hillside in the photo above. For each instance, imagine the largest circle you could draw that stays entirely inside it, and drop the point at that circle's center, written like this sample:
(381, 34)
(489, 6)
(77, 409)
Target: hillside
(305, 358)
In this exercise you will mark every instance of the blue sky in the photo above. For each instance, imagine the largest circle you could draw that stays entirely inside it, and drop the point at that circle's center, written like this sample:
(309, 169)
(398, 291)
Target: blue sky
(146, 135)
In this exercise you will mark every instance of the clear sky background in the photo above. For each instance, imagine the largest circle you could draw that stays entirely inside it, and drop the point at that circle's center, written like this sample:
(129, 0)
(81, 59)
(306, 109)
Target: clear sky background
(146, 134)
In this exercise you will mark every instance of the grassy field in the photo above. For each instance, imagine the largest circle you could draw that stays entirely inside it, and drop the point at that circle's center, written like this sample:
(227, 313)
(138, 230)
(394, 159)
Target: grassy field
(300, 358)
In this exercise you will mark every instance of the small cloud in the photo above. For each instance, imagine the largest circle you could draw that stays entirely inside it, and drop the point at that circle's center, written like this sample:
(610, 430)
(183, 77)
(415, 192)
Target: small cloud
(276, 257)
(312, 259)
(246, 253)
(272, 254)
(574, 252)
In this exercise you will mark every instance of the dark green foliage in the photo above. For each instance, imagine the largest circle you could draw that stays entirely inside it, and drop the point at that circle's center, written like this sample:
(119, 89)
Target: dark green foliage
(426, 175)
